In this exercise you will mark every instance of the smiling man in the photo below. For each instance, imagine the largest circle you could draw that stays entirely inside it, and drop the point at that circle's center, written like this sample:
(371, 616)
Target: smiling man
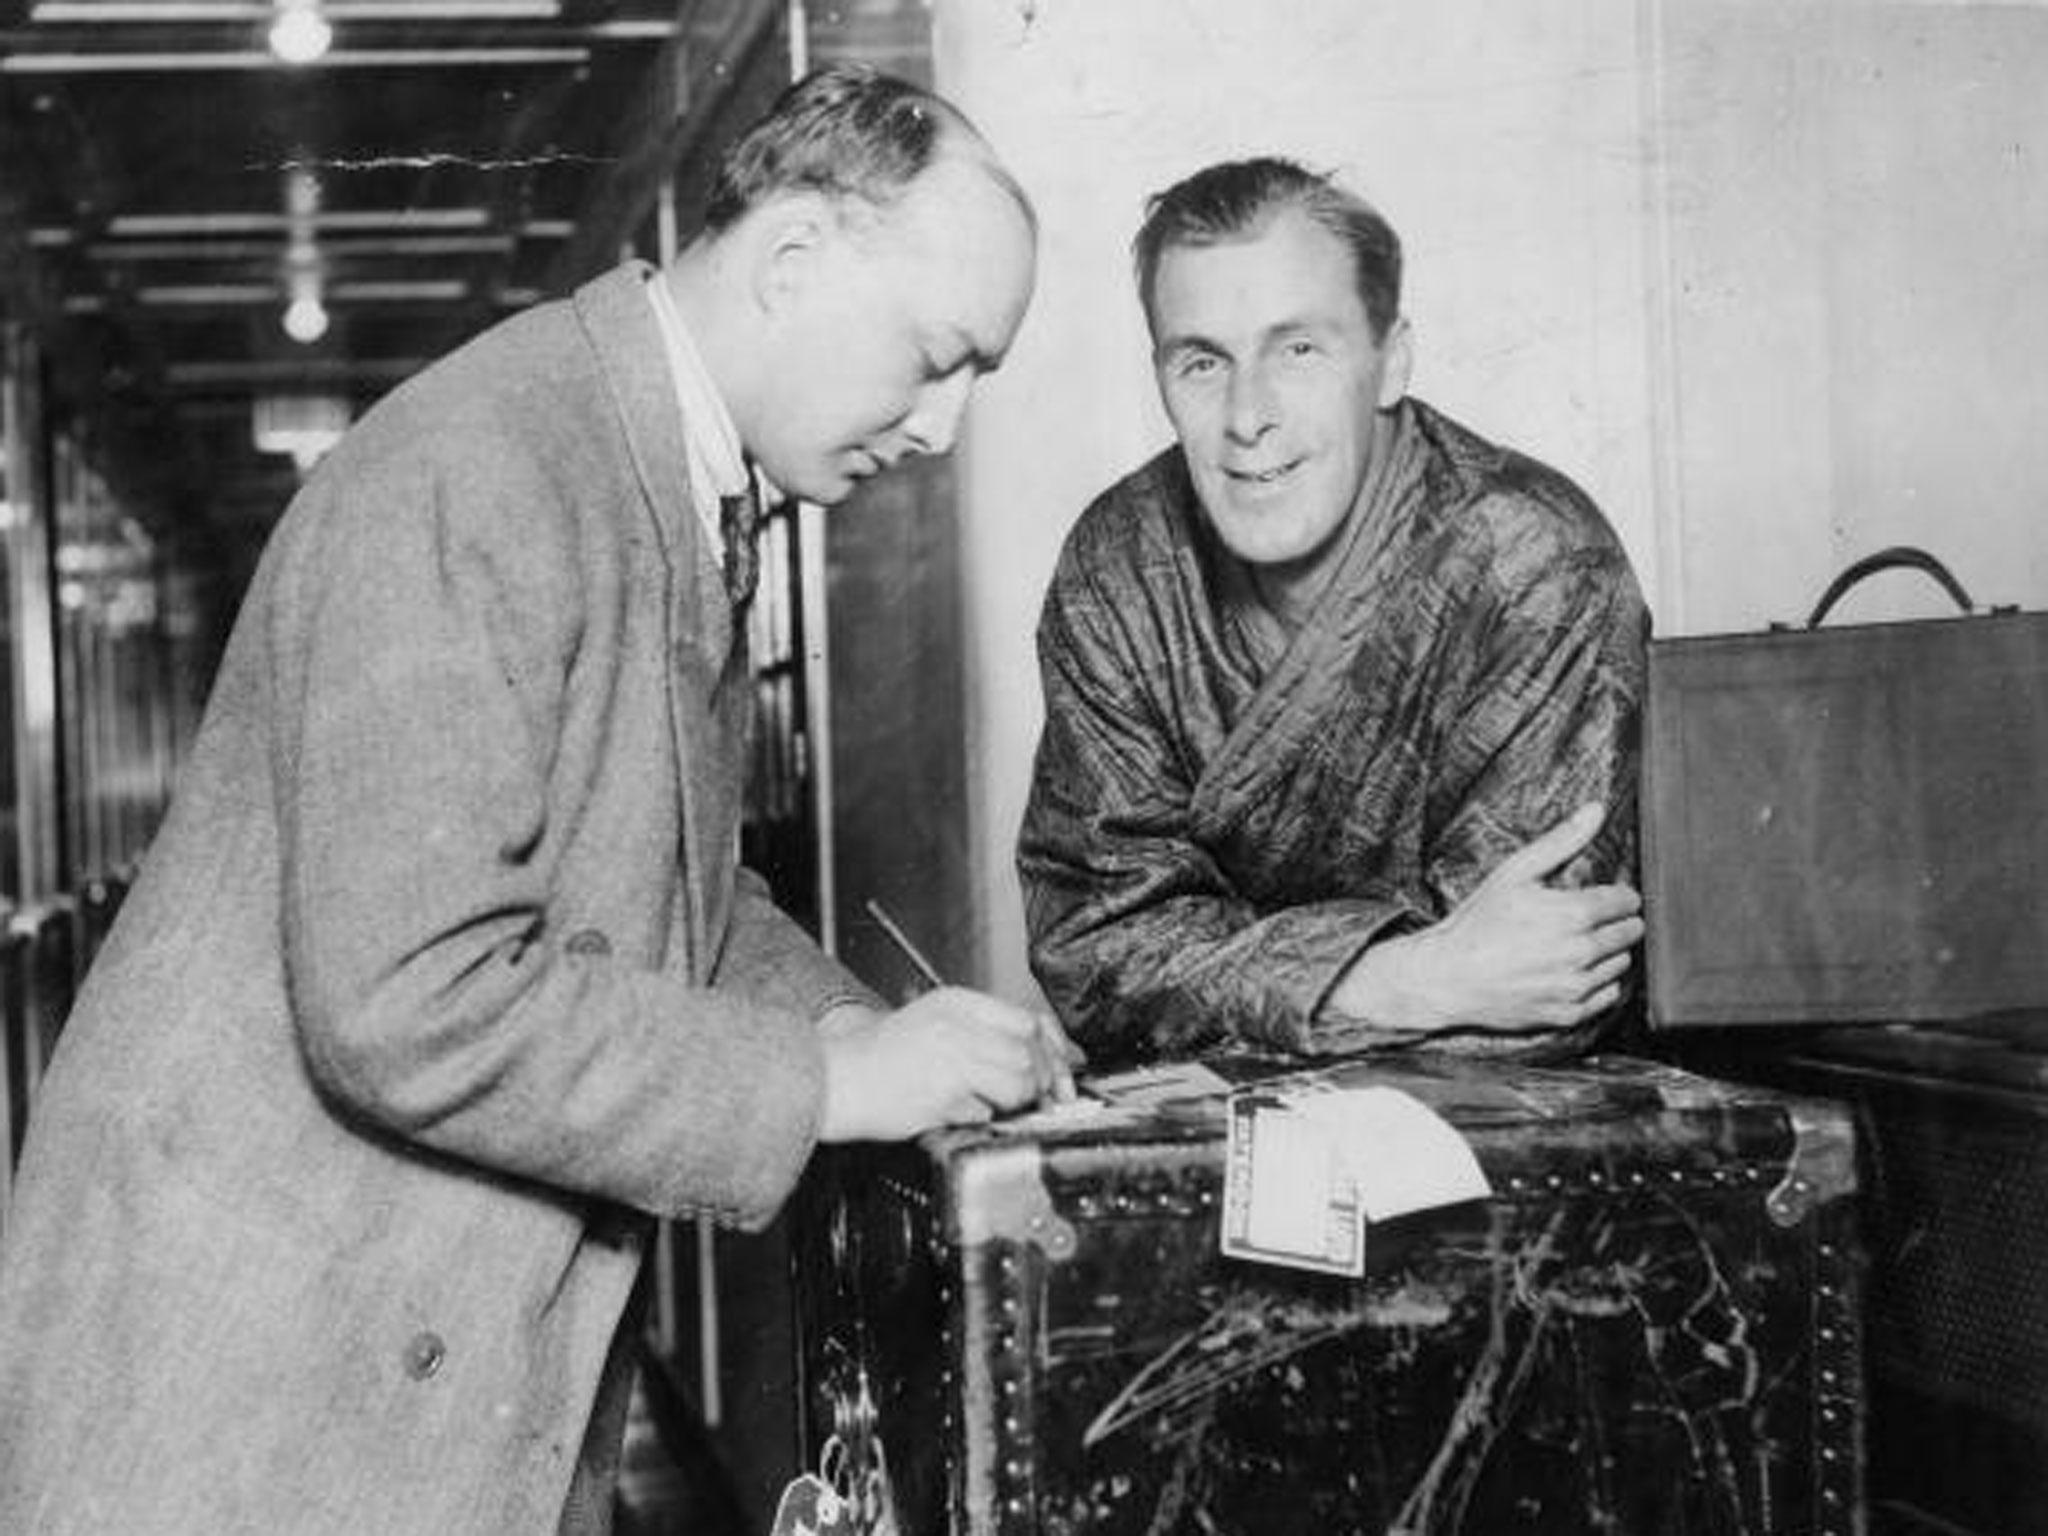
(1341, 700)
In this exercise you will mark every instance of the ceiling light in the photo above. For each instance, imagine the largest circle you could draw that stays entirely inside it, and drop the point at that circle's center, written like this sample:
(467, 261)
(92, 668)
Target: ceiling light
(305, 319)
(305, 316)
(301, 33)
(304, 426)
(301, 200)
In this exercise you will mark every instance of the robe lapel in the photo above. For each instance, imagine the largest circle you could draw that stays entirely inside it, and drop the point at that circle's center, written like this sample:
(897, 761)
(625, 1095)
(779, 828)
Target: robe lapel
(1291, 703)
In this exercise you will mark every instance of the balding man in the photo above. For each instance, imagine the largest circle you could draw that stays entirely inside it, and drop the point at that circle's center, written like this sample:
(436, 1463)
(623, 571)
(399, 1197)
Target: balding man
(440, 982)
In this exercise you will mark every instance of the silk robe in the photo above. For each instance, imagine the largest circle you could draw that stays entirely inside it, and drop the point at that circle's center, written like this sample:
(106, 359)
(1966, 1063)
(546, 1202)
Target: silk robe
(1216, 829)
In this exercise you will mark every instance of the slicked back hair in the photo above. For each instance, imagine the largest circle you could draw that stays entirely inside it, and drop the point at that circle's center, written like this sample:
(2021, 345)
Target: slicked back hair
(847, 132)
(1237, 199)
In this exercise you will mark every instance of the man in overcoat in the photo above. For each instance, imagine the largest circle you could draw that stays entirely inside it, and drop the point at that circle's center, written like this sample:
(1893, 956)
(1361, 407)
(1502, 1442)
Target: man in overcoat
(440, 981)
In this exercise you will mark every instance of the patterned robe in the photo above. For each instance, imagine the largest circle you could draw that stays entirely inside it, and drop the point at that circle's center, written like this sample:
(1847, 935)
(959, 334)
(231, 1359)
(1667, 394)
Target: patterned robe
(1219, 826)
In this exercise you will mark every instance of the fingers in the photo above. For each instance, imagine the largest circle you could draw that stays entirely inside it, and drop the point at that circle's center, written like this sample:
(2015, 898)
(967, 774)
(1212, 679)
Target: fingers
(1606, 973)
(1618, 934)
(945, 1059)
(1047, 1067)
(1604, 905)
(1606, 954)
(1601, 920)
(1519, 950)
(1002, 1070)
(949, 1057)
(1589, 993)
(1592, 981)
(968, 1109)
(1058, 1059)
(1008, 1057)
(1551, 851)
(1598, 1002)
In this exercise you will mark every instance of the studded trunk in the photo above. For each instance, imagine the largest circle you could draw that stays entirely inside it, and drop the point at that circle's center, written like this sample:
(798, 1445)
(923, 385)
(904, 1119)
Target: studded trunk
(1650, 1327)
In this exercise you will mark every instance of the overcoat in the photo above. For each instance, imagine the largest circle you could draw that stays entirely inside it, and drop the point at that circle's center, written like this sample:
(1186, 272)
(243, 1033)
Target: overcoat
(437, 979)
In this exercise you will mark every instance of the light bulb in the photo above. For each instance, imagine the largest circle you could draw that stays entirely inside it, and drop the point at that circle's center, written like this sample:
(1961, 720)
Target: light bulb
(300, 34)
(305, 319)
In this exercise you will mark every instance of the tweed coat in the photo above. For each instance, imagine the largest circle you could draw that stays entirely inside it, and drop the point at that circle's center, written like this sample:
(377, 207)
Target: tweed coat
(438, 974)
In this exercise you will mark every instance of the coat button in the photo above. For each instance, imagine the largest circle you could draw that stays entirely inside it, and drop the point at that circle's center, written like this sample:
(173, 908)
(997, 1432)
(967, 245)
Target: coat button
(424, 1353)
(589, 941)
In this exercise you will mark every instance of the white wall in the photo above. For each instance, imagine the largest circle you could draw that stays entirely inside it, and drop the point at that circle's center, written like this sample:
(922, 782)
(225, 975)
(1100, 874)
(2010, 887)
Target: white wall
(1502, 139)
(1768, 277)
(1856, 201)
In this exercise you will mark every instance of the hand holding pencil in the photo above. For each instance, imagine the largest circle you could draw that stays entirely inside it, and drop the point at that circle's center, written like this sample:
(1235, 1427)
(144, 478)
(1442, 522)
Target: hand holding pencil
(950, 1056)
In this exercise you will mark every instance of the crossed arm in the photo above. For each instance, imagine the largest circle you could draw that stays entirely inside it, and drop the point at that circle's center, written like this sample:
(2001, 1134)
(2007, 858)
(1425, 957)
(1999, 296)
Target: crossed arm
(1489, 898)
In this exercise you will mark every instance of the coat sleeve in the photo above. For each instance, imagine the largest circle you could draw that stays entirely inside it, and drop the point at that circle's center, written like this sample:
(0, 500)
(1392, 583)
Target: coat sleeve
(431, 640)
(1137, 934)
(768, 955)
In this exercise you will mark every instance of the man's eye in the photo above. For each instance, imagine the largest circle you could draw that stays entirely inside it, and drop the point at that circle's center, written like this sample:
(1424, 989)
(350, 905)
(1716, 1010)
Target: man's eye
(1196, 365)
(1301, 346)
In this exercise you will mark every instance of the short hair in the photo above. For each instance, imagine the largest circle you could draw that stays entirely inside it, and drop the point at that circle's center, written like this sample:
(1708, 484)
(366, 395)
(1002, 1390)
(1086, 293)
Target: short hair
(846, 131)
(1236, 199)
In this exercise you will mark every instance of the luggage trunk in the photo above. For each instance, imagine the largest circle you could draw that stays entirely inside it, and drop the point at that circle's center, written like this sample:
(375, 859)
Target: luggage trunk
(1649, 1326)
(1952, 1145)
(1845, 833)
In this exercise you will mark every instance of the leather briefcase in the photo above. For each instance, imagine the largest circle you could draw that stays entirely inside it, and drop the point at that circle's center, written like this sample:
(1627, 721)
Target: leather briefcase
(1849, 824)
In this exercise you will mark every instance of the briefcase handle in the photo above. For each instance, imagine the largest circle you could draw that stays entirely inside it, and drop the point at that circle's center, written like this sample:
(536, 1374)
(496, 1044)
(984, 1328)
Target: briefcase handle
(1897, 556)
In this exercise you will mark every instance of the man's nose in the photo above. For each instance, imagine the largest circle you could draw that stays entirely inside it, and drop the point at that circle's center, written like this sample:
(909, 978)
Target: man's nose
(934, 421)
(1248, 407)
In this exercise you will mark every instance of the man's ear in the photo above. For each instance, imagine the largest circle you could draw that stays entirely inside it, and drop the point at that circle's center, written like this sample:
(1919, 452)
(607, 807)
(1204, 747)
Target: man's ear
(1399, 352)
(791, 234)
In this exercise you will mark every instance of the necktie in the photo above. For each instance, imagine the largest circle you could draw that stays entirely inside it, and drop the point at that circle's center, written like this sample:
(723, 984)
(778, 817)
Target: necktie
(739, 524)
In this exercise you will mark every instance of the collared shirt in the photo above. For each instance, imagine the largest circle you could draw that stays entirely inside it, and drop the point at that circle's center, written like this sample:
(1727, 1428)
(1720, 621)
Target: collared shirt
(717, 463)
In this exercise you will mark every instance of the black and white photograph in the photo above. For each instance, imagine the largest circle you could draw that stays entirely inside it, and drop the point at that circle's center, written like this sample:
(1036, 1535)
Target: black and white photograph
(1023, 768)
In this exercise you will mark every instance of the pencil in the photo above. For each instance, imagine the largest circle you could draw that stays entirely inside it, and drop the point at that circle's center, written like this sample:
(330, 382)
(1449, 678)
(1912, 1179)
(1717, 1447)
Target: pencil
(908, 950)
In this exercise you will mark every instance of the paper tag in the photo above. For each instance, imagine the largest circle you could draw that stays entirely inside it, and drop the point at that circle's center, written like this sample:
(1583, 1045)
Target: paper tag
(1142, 1087)
(1287, 1198)
(1308, 1164)
(1404, 1155)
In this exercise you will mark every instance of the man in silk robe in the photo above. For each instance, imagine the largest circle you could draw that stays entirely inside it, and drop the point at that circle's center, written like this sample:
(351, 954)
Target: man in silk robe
(1342, 700)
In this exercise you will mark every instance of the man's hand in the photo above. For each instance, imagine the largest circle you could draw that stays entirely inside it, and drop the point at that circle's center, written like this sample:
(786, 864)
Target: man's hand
(951, 1057)
(1516, 952)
